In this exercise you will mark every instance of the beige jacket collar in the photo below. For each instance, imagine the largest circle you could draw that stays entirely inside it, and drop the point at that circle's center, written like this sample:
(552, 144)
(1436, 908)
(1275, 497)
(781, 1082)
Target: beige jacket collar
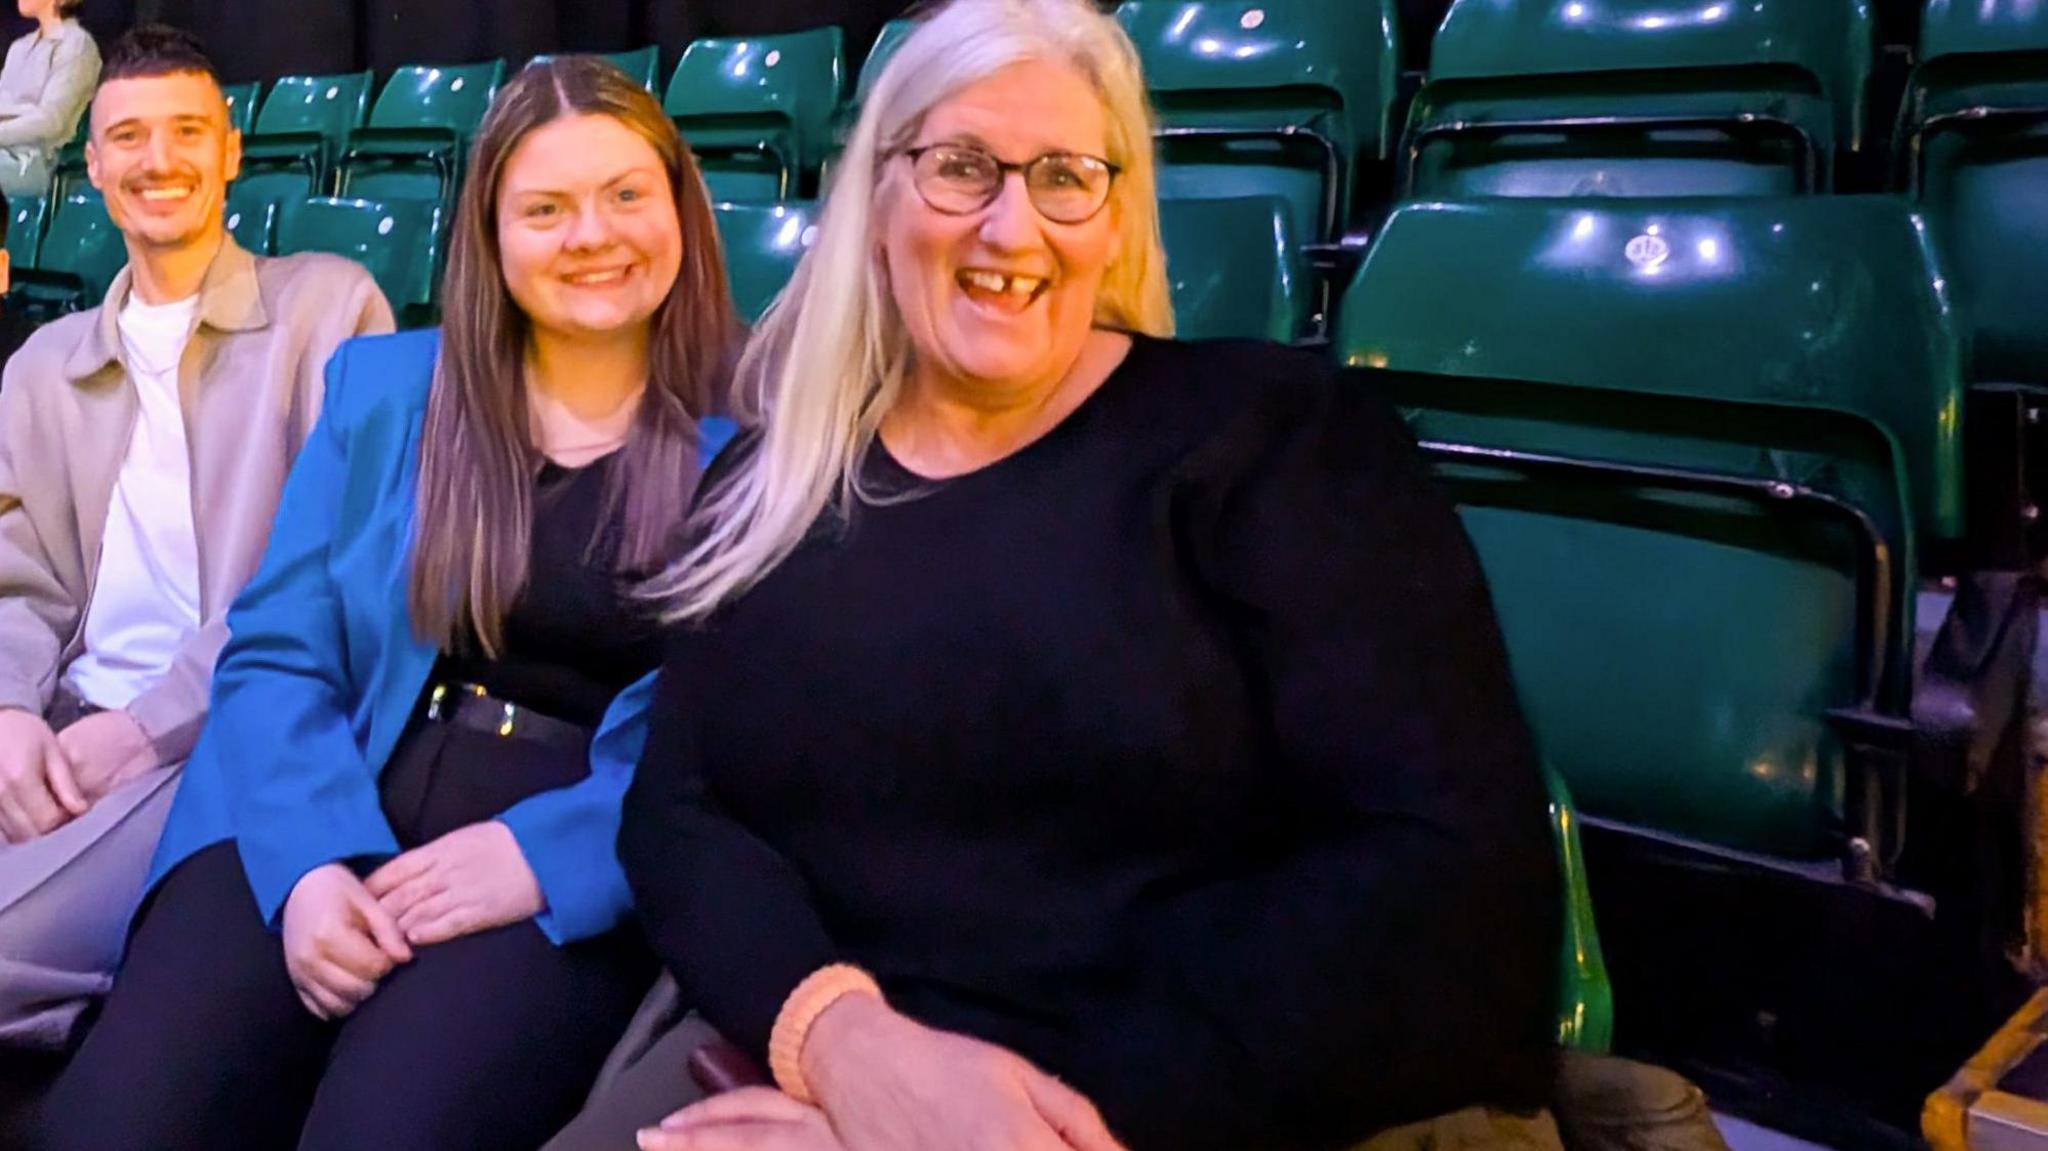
(229, 301)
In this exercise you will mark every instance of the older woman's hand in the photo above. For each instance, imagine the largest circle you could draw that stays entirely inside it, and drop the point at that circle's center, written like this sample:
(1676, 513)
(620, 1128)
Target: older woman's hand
(889, 1083)
(750, 1119)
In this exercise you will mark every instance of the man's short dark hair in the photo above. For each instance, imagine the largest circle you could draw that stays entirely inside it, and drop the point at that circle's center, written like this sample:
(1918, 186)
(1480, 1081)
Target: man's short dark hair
(69, 7)
(155, 50)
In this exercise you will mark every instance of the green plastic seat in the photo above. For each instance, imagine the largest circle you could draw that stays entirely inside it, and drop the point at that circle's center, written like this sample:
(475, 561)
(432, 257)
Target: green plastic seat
(763, 243)
(419, 129)
(1974, 146)
(641, 64)
(1233, 268)
(242, 100)
(81, 253)
(1980, 60)
(760, 107)
(887, 41)
(254, 227)
(1823, 303)
(67, 171)
(273, 185)
(1697, 443)
(300, 131)
(26, 218)
(1585, 1011)
(1640, 98)
(738, 183)
(1257, 98)
(399, 242)
(251, 216)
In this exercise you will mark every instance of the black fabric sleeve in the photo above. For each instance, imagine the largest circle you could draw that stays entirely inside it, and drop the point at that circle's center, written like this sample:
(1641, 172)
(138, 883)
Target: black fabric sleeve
(730, 917)
(1394, 953)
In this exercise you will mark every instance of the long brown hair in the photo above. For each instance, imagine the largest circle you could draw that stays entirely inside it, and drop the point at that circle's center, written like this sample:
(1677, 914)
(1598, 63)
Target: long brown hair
(472, 537)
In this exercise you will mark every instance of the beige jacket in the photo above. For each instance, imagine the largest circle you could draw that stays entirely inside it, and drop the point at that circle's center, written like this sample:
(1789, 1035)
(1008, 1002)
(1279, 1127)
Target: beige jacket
(251, 382)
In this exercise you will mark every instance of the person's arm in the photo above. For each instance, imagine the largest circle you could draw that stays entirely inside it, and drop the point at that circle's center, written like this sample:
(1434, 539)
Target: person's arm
(39, 791)
(74, 71)
(14, 105)
(171, 711)
(37, 612)
(1390, 955)
(728, 915)
(279, 732)
(569, 834)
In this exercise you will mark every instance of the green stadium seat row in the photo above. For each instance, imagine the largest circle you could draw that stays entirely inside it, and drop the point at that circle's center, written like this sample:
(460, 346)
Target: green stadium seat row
(1295, 101)
(1524, 97)
(399, 241)
(1257, 98)
(1640, 98)
(1230, 263)
(1245, 287)
(78, 254)
(69, 263)
(1277, 101)
(759, 111)
(1973, 152)
(642, 64)
(1702, 447)
(300, 130)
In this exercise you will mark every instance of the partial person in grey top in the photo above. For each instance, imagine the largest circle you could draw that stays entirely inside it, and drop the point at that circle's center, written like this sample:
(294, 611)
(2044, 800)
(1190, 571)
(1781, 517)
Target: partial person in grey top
(44, 89)
(143, 449)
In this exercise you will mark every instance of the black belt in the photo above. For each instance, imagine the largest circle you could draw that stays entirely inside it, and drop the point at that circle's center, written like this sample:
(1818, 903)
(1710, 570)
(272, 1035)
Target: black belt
(467, 706)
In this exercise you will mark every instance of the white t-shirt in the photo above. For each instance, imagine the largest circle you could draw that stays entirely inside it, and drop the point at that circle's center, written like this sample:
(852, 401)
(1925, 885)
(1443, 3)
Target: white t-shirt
(145, 602)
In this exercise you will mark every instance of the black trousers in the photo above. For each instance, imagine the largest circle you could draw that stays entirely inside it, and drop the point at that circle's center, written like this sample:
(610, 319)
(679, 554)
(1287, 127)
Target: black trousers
(489, 1041)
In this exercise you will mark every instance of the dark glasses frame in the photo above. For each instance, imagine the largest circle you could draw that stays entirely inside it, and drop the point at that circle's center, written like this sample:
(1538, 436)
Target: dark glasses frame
(1004, 168)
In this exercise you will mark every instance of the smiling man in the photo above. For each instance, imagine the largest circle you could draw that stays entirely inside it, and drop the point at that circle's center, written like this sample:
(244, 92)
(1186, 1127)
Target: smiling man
(143, 447)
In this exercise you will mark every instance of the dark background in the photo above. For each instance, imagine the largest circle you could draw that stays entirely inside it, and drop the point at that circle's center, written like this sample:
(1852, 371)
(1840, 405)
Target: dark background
(261, 39)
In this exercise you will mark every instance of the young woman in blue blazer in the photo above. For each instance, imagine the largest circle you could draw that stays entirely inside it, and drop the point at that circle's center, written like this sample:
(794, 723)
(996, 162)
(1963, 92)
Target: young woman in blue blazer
(386, 908)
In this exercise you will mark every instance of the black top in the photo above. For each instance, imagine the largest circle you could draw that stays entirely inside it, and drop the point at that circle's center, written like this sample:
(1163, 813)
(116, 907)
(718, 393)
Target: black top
(573, 639)
(1175, 752)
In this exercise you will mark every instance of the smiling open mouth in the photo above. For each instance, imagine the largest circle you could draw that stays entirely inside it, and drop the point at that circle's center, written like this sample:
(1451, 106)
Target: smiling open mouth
(1010, 292)
(598, 278)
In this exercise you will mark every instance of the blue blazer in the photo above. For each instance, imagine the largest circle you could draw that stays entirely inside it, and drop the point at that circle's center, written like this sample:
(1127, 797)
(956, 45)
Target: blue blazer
(322, 671)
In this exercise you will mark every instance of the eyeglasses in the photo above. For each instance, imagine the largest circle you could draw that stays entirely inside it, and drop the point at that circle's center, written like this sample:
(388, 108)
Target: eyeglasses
(959, 180)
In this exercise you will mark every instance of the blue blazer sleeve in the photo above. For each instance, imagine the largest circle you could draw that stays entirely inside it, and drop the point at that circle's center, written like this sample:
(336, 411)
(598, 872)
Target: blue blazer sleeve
(300, 792)
(568, 834)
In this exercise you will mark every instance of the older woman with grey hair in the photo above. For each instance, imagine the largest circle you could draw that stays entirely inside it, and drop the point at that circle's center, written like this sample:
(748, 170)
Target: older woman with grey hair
(44, 90)
(1073, 738)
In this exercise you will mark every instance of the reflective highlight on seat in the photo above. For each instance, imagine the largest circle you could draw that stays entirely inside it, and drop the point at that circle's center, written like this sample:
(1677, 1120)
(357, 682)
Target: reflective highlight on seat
(1268, 99)
(1640, 97)
(759, 107)
(763, 243)
(398, 241)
